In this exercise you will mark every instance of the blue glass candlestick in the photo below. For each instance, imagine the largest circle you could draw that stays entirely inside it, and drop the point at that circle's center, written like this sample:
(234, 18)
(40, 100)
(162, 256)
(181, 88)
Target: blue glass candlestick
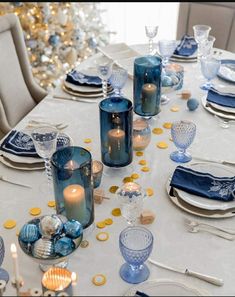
(147, 85)
(116, 131)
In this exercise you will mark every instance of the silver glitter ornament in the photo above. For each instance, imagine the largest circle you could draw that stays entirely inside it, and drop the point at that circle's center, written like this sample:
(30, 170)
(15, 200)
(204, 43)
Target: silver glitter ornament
(50, 226)
(43, 249)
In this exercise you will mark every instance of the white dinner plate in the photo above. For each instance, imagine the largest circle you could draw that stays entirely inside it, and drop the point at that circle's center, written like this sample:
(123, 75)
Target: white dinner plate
(96, 95)
(220, 113)
(206, 203)
(21, 166)
(227, 70)
(174, 59)
(165, 287)
(83, 89)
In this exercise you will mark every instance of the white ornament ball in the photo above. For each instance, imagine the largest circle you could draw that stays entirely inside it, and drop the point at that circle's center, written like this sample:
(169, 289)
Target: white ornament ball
(71, 56)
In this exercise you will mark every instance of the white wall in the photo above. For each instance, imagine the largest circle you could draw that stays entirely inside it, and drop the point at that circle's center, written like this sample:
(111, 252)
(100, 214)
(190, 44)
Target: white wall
(129, 18)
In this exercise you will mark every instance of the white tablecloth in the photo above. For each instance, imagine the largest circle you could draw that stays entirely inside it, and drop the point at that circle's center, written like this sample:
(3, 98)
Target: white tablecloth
(173, 245)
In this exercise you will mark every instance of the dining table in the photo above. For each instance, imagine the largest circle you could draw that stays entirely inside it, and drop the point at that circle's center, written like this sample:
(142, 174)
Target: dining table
(173, 244)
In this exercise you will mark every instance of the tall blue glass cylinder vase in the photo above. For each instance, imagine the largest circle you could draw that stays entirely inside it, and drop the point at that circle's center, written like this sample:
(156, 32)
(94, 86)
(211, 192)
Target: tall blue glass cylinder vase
(73, 184)
(116, 119)
(147, 85)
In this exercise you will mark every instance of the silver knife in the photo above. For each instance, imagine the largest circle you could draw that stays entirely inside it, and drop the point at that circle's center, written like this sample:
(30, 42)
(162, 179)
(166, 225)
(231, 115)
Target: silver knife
(14, 182)
(210, 279)
(214, 161)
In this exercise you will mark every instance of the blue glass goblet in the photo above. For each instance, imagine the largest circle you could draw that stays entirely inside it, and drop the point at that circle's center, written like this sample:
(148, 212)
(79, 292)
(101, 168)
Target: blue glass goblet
(3, 273)
(118, 79)
(136, 244)
(166, 49)
(182, 133)
(209, 67)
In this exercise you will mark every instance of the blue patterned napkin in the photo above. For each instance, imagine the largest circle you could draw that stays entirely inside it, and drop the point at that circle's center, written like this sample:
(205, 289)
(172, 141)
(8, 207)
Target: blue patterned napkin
(21, 144)
(187, 46)
(78, 78)
(227, 100)
(203, 184)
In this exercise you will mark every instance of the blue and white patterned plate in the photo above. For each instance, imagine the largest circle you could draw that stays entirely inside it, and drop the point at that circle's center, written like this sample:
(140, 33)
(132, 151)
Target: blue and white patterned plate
(227, 70)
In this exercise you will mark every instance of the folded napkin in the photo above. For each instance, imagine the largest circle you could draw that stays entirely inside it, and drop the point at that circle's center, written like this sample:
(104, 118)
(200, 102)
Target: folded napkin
(227, 100)
(78, 78)
(21, 144)
(203, 184)
(224, 90)
(142, 294)
(187, 46)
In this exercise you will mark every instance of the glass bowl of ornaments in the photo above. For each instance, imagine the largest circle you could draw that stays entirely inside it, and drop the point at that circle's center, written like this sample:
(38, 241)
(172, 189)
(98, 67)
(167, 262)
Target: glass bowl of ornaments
(50, 239)
(172, 79)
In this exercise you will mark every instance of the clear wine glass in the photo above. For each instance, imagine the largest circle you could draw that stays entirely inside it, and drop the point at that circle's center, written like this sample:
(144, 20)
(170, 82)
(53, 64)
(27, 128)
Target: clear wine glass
(45, 141)
(104, 68)
(151, 32)
(118, 79)
(183, 134)
(201, 33)
(207, 46)
(209, 67)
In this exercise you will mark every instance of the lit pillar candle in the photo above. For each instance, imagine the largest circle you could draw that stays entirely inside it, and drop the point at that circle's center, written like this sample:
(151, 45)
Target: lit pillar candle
(75, 203)
(15, 262)
(116, 143)
(149, 98)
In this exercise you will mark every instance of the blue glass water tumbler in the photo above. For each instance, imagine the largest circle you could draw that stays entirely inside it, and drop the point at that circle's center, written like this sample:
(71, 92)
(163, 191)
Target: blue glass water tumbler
(147, 85)
(116, 119)
(73, 184)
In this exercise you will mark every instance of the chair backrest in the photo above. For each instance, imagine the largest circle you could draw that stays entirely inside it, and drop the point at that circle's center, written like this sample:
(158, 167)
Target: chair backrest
(18, 91)
(219, 15)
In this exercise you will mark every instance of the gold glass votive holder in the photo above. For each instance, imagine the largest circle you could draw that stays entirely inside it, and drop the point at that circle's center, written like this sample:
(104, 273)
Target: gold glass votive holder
(57, 280)
(97, 169)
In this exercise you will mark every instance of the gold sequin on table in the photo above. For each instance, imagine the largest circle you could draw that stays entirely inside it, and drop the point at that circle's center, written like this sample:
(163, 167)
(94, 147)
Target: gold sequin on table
(175, 108)
(139, 154)
(100, 225)
(35, 211)
(135, 176)
(162, 145)
(127, 179)
(157, 131)
(84, 244)
(143, 162)
(87, 140)
(113, 189)
(167, 125)
(9, 224)
(99, 279)
(145, 169)
(149, 192)
(51, 203)
(102, 236)
(108, 221)
(116, 212)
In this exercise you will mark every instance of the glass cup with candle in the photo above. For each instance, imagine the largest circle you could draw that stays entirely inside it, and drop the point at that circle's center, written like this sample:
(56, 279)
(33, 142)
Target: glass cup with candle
(141, 134)
(97, 170)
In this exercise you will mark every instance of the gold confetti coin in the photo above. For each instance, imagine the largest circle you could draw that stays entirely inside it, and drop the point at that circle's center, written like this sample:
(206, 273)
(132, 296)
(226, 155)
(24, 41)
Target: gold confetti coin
(99, 279)
(157, 131)
(175, 108)
(108, 221)
(102, 236)
(84, 244)
(135, 176)
(100, 225)
(51, 203)
(113, 189)
(139, 154)
(87, 140)
(167, 125)
(145, 169)
(88, 149)
(143, 162)
(149, 192)
(127, 179)
(9, 224)
(162, 145)
(116, 212)
(35, 211)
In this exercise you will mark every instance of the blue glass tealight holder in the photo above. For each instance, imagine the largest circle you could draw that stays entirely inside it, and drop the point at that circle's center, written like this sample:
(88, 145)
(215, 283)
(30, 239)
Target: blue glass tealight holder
(147, 85)
(116, 131)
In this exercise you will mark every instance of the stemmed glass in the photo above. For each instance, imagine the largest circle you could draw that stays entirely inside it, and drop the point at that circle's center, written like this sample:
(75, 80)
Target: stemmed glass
(104, 68)
(118, 79)
(207, 46)
(201, 33)
(151, 32)
(209, 67)
(45, 141)
(136, 244)
(183, 134)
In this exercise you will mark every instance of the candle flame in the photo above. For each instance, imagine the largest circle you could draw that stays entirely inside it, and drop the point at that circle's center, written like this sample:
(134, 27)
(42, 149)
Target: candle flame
(13, 248)
(74, 277)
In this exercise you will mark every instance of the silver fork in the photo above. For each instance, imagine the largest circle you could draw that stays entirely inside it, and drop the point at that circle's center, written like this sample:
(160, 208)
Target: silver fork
(198, 224)
(34, 123)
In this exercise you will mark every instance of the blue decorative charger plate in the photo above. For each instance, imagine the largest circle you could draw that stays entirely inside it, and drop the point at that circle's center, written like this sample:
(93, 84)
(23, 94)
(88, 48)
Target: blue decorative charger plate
(227, 70)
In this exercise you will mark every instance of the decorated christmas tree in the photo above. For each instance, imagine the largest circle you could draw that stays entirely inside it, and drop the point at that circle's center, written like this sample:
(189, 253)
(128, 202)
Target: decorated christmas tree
(58, 35)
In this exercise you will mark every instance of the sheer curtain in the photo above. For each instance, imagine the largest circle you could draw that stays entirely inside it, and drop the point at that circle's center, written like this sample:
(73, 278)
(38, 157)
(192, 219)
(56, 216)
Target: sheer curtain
(128, 19)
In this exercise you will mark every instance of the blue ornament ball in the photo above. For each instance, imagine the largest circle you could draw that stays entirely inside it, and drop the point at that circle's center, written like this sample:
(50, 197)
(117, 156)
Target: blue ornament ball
(64, 246)
(73, 229)
(29, 233)
(54, 40)
(192, 104)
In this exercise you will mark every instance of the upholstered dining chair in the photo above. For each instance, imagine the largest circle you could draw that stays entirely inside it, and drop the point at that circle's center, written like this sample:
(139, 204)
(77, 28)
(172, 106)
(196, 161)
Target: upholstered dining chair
(19, 92)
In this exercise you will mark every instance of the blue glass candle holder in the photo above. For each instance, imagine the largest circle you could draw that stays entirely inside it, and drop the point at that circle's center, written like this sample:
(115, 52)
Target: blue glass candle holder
(147, 85)
(116, 131)
(73, 184)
